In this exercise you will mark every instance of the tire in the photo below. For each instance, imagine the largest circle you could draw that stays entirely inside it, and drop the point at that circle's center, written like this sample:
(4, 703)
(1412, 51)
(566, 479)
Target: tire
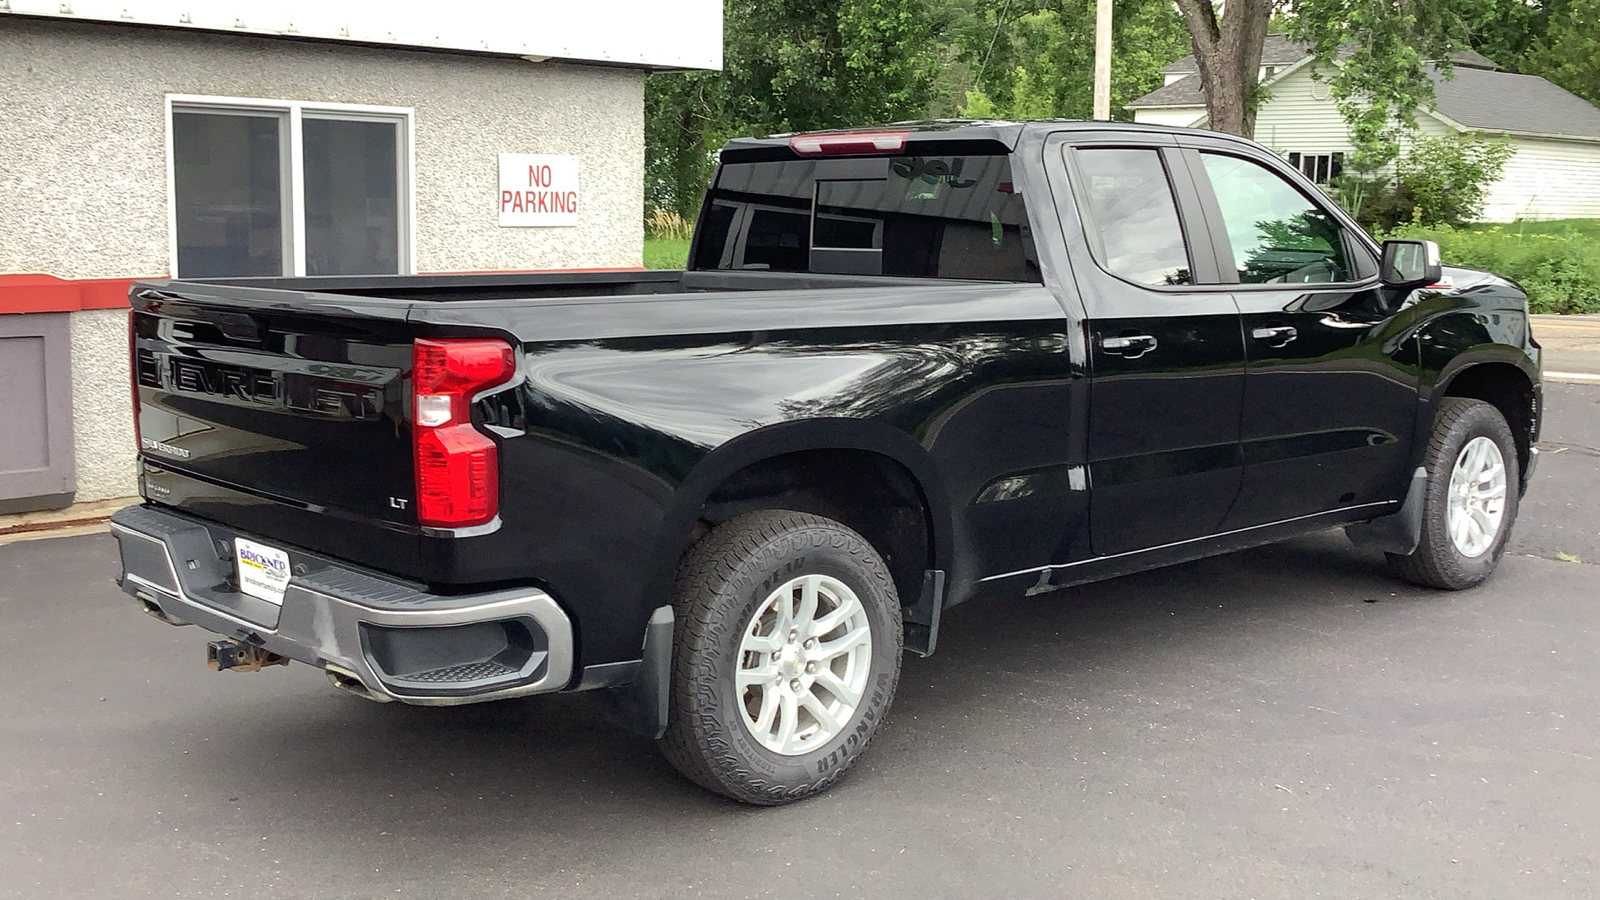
(737, 571)
(1443, 560)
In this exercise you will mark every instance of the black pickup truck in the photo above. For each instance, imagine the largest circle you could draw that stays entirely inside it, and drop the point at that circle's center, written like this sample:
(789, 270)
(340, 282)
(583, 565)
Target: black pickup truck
(903, 366)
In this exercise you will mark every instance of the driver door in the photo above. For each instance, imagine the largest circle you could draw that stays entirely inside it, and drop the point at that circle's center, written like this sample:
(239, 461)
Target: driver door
(1330, 388)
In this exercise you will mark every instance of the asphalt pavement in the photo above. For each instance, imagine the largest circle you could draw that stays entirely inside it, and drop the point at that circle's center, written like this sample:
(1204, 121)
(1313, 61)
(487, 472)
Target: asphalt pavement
(1284, 722)
(1571, 346)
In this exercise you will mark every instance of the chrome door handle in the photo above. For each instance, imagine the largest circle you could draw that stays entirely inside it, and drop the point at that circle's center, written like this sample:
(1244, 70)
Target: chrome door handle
(1275, 335)
(1130, 346)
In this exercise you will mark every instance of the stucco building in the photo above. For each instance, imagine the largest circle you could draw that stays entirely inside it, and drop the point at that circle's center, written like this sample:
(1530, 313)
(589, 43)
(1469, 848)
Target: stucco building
(240, 137)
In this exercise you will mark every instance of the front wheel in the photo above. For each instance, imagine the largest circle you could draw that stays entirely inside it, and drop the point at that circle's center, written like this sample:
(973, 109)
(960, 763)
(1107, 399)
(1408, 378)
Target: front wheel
(1471, 501)
(787, 654)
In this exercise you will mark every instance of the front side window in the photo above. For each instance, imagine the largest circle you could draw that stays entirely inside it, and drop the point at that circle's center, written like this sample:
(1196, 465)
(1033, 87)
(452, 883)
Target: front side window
(241, 208)
(1134, 215)
(1278, 235)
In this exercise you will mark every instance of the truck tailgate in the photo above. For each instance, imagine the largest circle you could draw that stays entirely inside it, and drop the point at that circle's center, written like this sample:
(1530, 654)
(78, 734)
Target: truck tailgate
(287, 419)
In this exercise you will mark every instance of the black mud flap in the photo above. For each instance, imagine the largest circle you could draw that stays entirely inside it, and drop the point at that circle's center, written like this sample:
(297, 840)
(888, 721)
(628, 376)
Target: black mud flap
(1399, 533)
(640, 706)
(922, 618)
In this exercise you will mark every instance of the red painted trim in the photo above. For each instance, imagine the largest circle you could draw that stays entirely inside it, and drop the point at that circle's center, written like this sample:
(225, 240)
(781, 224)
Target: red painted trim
(47, 293)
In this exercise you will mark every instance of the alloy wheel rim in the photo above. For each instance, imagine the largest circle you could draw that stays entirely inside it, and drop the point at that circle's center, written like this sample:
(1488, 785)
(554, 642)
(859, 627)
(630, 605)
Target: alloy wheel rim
(803, 663)
(1477, 502)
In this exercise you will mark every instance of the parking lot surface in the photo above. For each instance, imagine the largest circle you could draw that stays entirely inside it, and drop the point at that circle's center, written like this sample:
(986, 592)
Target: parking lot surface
(1284, 722)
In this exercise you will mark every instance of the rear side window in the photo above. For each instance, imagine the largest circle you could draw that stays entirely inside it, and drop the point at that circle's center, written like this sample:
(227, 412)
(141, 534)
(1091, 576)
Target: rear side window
(913, 216)
(1134, 215)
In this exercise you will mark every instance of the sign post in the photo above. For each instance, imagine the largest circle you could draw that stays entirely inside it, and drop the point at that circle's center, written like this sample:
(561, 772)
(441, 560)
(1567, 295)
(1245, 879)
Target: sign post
(1102, 60)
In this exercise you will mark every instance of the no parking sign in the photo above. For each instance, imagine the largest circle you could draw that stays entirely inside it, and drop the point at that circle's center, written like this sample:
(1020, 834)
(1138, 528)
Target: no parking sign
(538, 189)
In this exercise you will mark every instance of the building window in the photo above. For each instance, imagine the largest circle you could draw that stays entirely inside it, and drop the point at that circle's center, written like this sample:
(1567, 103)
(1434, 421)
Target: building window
(1319, 167)
(264, 187)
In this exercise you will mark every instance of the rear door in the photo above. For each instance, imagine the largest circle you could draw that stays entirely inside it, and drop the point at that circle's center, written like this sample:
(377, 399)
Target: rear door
(1166, 358)
(1330, 394)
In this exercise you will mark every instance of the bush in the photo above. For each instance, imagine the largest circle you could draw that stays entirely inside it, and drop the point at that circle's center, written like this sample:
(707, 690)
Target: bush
(1558, 265)
(1437, 181)
(1449, 177)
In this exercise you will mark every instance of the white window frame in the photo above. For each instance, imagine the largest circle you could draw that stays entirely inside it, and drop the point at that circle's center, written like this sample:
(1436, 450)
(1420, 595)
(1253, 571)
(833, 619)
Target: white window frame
(1297, 160)
(293, 186)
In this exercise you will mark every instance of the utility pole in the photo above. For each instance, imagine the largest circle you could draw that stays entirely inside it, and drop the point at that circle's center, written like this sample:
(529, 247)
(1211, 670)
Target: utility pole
(1102, 60)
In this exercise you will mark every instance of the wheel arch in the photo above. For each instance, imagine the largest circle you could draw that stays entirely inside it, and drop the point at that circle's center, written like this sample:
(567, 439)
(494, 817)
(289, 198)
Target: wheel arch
(868, 475)
(1504, 382)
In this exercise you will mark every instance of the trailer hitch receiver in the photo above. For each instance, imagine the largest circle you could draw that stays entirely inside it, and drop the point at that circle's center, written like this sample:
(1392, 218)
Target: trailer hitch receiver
(241, 657)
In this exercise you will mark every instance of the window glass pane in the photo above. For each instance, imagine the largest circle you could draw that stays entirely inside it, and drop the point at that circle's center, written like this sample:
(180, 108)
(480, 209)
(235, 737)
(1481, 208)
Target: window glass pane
(714, 225)
(775, 239)
(227, 182)
(1136, 215)
(930, 217)
(839, 225)
(1278, 235)
(352, 197)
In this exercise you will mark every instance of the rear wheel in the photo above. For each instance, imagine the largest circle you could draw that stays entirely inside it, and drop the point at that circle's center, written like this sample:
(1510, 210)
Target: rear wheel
(786, 659)
(1471, 500)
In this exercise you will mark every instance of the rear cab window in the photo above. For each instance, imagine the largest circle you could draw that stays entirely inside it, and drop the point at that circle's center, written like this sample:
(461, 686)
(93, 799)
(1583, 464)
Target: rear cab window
(921, 216)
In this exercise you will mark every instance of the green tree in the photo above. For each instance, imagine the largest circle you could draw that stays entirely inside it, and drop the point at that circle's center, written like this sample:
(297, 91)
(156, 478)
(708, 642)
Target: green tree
(1506, 30)
(1047, 65)
(789, 65)
(1378, 56)
(1569, 51)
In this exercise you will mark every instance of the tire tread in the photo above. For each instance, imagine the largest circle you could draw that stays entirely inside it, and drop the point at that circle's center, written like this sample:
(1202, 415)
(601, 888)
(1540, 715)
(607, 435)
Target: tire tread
(705, 570)
(1434, 563)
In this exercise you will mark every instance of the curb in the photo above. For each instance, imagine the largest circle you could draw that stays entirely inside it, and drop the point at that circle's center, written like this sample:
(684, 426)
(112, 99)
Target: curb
(48, 523)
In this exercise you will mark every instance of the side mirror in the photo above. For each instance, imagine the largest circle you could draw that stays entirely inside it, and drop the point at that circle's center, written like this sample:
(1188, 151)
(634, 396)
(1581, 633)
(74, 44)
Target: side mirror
(1410, 264)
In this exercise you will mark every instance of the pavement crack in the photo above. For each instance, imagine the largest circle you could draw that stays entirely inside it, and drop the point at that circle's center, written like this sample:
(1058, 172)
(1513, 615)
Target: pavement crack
(1554, 447)
(1557, 559)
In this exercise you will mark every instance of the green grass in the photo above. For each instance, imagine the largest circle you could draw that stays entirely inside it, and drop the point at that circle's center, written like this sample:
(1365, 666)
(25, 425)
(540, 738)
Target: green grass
(1556, 262)
(665, 253)
(1589, 228)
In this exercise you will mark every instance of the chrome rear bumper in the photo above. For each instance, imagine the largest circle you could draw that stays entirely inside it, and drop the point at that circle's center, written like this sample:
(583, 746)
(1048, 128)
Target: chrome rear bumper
(376, 636)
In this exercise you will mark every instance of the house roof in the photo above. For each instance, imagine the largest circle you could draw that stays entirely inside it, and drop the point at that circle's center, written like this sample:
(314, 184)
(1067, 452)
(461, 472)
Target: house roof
(1183, 92)
(1501, 101)
(1475, 98)
(1279, 50)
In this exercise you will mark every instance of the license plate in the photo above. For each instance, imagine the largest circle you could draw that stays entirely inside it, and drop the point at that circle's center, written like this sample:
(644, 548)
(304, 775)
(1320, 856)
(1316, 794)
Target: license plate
(263, 570)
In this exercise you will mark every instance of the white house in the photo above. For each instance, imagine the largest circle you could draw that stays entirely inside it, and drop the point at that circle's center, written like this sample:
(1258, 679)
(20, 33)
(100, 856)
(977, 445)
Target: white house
(1554, 173)
(205, 138)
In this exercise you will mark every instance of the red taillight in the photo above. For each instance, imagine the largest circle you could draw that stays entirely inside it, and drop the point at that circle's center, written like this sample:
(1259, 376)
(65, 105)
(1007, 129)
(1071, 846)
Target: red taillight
(458, 471)
(849, 143)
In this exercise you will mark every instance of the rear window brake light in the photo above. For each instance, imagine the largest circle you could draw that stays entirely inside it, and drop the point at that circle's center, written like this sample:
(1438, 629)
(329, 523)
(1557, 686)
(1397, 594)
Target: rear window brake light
(849, 143)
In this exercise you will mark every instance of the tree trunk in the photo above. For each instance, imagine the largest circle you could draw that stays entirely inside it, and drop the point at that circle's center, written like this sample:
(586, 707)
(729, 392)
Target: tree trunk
(1229, 57)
